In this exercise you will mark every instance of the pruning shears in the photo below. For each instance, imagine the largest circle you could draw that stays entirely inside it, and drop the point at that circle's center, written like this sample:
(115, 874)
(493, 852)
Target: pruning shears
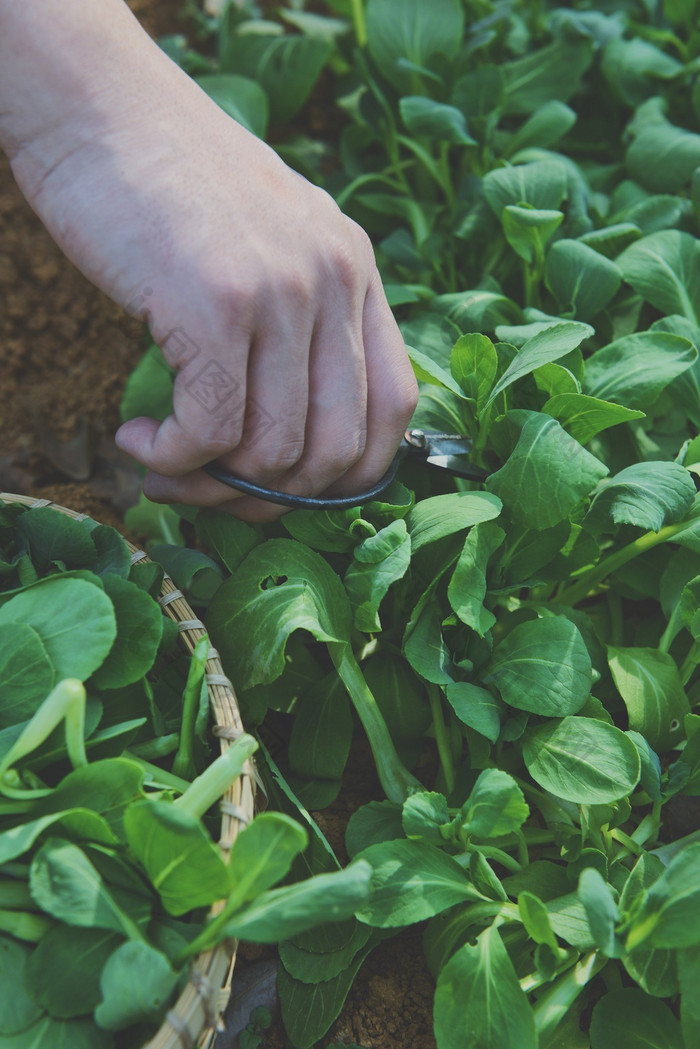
(441, 451)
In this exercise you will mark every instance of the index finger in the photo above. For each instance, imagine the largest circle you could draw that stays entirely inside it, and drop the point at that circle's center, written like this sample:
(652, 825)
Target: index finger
(209, 404)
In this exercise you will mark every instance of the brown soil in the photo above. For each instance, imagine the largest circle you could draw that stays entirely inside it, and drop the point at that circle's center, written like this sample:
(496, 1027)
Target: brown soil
(389, 1005)
(66, 351)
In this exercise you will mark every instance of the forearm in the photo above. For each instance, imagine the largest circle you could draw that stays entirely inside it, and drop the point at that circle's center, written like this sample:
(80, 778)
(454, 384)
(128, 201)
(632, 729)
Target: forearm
(91, 113)
(66, 69)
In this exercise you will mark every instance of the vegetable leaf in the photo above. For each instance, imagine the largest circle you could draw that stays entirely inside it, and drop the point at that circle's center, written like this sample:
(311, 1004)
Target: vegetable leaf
(479, 1001)
(582, 760)
(547, 475)
(542, 666)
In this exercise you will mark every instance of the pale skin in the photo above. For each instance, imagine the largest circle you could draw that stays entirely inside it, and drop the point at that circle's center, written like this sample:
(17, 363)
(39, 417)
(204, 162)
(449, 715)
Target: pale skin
(291, 371)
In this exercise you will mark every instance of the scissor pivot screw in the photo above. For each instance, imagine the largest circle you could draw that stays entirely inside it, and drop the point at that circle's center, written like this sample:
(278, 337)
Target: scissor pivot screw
(416, 438)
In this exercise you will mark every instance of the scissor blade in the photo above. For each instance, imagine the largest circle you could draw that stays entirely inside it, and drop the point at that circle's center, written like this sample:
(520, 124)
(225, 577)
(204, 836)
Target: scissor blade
(446, 444)
(457, 466)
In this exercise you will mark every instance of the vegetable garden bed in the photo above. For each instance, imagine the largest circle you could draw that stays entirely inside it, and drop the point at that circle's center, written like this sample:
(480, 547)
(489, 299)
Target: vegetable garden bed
(530, 176)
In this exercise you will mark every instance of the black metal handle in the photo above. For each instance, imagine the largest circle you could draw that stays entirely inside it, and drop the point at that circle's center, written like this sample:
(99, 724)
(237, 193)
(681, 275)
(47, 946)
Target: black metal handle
(307, 502)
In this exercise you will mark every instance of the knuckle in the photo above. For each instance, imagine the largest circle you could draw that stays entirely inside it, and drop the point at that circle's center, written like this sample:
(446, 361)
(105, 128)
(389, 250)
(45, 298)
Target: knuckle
(235, 306)
(345, 453)
(298, 288)
(363, 244)
(401, 393)
(356, 447)
(406, 398)
(351, 257)
(344, 268)
(271, 461)
(223, 435)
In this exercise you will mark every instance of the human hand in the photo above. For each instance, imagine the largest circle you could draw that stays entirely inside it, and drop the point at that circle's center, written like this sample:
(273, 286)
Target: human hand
(291, 371)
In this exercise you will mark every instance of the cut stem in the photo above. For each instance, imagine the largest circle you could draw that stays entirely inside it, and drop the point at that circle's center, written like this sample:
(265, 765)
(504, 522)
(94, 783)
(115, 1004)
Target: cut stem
(183, 762)
(66, 702)
(208, 788)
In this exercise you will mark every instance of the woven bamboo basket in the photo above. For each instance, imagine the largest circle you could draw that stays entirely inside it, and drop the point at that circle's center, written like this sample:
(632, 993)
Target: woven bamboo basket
(195, 1018)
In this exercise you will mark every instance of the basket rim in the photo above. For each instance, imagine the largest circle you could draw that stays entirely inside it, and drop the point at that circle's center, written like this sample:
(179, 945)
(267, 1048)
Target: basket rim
(195, 1017)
